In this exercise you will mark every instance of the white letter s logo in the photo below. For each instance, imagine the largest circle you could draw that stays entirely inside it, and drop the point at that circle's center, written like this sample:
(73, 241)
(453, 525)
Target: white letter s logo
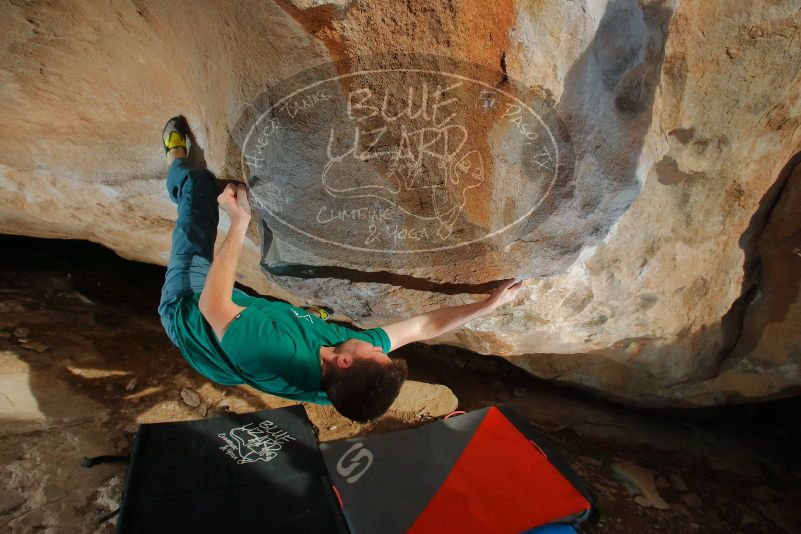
(355, 462)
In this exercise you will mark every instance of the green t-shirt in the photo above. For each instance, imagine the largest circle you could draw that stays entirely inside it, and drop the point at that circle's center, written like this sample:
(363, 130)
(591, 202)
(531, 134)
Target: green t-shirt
(272, 346)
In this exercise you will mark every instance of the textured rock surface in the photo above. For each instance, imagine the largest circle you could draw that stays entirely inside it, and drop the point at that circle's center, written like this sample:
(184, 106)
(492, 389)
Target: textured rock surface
(644, 280)
(765, 359)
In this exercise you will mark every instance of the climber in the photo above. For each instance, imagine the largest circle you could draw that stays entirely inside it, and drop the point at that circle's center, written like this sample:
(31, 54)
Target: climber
(232, 338)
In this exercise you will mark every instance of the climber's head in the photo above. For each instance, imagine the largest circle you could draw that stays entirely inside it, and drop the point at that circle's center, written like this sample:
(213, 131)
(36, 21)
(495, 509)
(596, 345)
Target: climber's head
(361, 380)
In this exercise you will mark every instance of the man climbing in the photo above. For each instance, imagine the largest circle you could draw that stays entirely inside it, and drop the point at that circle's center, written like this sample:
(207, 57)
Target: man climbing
(232, 338)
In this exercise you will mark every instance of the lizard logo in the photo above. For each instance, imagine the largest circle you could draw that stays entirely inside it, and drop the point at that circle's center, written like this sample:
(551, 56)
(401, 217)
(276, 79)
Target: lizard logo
(380, 164)
(254, 442)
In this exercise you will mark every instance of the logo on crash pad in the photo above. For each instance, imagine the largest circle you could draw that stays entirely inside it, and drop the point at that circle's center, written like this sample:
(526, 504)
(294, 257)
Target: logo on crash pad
(254, 442)
(359, 459)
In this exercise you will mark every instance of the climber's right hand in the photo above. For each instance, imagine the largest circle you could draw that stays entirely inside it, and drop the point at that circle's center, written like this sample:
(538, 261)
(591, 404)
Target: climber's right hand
(234, 201)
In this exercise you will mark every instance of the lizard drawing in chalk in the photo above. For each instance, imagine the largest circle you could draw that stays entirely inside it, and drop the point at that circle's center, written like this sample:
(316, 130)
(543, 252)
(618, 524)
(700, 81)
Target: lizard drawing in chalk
(427, 169)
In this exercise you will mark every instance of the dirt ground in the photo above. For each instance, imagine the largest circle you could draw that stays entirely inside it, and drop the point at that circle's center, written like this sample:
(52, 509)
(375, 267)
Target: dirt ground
(83, 361)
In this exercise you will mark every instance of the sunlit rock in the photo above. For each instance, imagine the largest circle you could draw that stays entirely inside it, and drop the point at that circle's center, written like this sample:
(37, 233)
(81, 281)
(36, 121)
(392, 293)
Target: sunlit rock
(676, 120)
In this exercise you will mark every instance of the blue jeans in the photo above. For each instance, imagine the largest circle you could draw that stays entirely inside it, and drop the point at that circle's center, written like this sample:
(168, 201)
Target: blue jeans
(194, 190)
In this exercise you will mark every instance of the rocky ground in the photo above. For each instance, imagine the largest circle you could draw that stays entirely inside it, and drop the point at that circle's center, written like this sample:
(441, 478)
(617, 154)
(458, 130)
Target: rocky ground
(83, 361)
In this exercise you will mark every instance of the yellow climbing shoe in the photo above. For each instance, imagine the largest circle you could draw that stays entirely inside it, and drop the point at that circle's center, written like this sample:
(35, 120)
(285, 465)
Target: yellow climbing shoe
(175, 134)
(324, 312)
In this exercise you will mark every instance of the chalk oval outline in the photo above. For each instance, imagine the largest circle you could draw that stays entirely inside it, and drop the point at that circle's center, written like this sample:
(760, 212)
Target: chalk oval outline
(394, 251)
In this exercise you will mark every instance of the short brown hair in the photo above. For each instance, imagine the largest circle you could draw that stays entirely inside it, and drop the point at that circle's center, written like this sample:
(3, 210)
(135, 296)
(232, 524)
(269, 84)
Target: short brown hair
(366, 389)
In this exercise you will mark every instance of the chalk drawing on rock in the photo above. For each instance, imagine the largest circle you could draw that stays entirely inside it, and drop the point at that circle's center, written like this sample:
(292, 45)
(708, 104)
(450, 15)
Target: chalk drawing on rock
(401, 160)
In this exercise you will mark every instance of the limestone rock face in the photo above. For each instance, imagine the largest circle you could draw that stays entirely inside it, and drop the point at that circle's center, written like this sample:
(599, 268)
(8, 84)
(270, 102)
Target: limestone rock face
(629, 158)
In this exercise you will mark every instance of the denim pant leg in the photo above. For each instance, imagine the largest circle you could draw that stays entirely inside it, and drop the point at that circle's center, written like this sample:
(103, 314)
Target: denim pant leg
(195, 192)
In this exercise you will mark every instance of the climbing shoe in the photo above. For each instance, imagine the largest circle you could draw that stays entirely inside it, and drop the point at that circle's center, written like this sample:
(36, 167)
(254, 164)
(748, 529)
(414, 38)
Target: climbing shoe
(176, 134)
(324, 312)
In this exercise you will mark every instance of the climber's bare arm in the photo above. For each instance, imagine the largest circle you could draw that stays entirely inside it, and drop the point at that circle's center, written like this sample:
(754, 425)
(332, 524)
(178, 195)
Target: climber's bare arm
(215, 300)
(437, 322)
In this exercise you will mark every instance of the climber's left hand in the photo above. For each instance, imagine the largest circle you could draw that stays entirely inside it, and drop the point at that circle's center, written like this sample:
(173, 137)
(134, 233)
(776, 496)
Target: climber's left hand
(504, 293)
